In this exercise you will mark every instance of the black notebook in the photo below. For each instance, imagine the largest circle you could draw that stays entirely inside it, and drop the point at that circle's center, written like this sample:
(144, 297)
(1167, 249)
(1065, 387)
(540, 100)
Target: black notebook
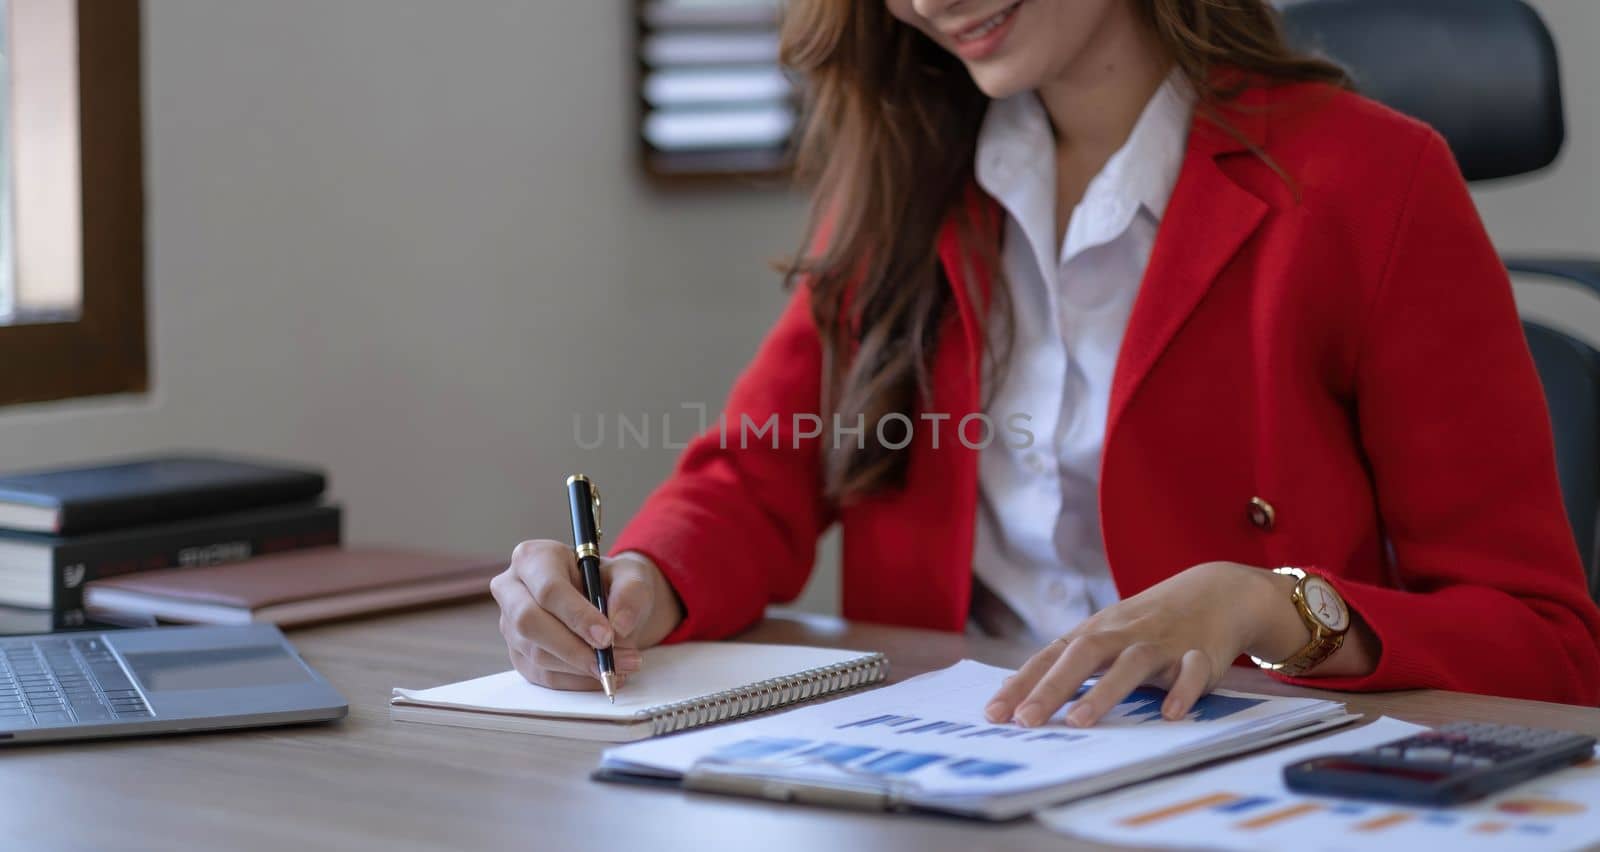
(136, 492)
(49, 572)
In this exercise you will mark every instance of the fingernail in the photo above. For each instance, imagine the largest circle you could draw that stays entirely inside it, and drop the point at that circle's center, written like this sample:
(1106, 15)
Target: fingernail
(1080, 715)
(1029, 715)
(623, 621)
(629, 660)
(600, 635)
(996, 711)
(1170, 711)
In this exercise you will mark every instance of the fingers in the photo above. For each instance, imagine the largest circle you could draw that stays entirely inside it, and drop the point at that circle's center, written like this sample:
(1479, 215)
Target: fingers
(1136, 664)
(630, 597)
(527, 628)
(549, 569)
(1002, 707)
(550, 628)
(1193, 681)
(626, 660)
(1083, 657)
(531, 672)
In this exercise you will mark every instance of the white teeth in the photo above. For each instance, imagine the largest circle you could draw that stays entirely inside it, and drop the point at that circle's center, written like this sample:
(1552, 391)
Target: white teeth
(988, 26)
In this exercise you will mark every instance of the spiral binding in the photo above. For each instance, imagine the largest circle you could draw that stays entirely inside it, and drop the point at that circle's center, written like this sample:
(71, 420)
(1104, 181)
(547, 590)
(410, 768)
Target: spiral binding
(767, 695)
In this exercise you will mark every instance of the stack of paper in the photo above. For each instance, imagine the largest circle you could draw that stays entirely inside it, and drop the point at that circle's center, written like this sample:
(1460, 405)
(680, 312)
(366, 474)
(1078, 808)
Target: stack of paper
(1245, 805)
(924, 743)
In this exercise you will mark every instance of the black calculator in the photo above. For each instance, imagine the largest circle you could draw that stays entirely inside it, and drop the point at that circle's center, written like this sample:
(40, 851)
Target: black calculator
(1456, 763)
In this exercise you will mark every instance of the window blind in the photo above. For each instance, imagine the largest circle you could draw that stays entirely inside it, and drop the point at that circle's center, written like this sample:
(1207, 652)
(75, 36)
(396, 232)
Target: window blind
(713, 99)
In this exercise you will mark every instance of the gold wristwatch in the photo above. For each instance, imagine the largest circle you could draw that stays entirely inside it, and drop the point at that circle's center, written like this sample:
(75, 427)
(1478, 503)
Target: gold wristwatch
(1325, 615)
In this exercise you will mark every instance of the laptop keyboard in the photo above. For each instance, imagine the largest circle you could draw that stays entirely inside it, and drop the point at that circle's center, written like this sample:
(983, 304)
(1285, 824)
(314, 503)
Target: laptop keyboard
(61, 681)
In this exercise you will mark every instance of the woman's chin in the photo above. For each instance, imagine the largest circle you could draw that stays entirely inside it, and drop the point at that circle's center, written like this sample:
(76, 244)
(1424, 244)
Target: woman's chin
(999, 81)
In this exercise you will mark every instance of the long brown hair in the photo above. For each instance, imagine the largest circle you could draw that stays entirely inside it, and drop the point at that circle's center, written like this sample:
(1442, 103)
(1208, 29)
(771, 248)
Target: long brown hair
(891, 131)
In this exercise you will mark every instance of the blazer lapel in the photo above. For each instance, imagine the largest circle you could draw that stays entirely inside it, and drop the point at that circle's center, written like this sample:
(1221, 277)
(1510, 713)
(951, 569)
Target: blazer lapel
(1207, 220)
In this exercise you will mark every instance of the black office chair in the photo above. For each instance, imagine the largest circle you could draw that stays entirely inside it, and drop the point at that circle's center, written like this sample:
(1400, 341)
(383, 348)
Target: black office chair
(1484, 73)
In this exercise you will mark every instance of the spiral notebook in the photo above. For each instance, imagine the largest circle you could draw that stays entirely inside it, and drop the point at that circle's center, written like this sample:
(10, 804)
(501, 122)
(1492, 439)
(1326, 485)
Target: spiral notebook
(676, 688)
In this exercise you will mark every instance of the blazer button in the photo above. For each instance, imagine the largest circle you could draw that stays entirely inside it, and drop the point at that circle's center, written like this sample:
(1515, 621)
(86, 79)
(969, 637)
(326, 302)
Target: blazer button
(1262, 515)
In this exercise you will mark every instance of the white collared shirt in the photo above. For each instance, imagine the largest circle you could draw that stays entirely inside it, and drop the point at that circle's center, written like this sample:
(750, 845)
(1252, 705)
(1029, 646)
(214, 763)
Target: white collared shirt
(1038, 545)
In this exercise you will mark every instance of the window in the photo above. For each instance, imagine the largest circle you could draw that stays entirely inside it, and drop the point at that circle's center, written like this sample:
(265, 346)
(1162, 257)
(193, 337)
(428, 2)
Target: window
(713, 100)
(71, 200)
(7, 278)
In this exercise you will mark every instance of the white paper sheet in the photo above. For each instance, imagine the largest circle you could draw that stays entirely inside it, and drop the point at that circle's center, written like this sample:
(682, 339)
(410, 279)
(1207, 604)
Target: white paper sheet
(668, 674)
(1244, 805)
(928, 734)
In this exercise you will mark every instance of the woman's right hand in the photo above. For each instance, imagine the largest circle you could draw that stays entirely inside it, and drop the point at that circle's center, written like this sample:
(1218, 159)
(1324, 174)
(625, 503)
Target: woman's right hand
(551, 629)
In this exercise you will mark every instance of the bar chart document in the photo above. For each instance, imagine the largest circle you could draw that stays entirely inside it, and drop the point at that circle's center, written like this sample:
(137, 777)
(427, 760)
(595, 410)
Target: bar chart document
(925, 744)
(1245, 805)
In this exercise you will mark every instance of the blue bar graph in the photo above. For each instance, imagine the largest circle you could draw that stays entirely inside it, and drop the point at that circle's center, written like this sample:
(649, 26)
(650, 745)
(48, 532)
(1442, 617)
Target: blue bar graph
(899, 762)
(972, 768)
(891, 721)
(869, 759)
(837, 753)
(865, 723)
(1144, 705)
(985, 732)
(1239, 806)
(757, 749)
(930, 727)
(1056, 736)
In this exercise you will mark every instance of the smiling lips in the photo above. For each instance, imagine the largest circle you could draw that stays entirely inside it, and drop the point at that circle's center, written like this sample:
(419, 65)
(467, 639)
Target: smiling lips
(985, 37)
(987, 25)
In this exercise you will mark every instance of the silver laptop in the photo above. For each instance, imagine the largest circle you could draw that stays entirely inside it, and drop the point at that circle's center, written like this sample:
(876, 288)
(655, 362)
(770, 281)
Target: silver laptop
(119, 683)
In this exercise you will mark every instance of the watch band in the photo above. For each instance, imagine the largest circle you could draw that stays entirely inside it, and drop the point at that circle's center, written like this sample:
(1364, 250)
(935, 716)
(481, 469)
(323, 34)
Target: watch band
(1323, 643)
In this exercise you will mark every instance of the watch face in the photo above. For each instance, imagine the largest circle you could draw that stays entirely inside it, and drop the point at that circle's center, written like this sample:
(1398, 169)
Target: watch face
(1326, 605)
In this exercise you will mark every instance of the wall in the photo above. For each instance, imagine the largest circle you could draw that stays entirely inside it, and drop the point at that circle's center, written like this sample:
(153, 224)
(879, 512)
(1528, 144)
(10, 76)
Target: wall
(1557, 212)
(404, 239)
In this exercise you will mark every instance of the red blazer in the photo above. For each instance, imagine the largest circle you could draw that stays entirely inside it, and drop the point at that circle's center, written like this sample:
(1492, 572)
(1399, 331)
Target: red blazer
(1342, 346)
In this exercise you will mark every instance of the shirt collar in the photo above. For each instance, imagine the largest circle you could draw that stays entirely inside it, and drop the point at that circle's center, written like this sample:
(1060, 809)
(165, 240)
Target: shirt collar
(1015, 162)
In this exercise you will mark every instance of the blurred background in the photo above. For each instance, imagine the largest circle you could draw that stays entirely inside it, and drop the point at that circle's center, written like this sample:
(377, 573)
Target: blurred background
(409, 241)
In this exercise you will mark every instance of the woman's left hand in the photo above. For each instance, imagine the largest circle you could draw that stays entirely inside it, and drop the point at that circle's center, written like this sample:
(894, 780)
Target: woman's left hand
(1181, 634)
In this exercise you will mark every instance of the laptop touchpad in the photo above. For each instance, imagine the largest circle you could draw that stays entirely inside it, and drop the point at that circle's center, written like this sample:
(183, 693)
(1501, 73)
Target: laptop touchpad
(215, 668)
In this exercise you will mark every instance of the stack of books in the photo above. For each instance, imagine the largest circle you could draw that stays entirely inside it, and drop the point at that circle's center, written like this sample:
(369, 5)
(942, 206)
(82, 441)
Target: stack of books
(62, 528)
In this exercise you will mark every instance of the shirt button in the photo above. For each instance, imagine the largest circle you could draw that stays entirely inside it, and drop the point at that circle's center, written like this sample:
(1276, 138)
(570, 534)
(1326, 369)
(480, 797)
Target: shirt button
(1262, 515)
(1035, 462)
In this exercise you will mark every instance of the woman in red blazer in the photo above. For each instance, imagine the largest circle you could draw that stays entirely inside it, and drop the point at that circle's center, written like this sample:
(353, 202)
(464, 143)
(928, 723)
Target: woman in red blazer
(1322, 368)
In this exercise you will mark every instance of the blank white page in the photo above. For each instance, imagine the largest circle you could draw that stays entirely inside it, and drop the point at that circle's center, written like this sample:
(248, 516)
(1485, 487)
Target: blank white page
(669, 674)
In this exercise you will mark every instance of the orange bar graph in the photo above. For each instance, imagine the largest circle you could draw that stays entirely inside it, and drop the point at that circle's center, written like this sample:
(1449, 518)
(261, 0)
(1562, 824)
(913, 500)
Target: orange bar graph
(1179, 809)
(1386, 821)
(1277, 816)
(1489, 827)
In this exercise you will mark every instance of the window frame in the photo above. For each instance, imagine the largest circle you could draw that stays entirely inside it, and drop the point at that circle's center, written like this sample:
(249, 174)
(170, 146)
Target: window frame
(103, 351)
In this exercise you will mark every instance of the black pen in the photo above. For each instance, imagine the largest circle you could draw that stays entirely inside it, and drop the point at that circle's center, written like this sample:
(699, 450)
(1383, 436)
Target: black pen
(584, 500)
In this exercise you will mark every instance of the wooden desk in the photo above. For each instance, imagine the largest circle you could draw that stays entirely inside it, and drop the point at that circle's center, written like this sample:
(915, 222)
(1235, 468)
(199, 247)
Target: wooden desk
(368, 783)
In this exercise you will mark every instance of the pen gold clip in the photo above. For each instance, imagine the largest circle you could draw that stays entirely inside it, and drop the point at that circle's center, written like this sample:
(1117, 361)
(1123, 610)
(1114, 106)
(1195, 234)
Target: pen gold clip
(594, 499)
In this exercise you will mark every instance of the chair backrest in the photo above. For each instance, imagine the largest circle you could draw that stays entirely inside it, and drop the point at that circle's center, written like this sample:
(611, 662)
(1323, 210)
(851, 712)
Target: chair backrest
(1570, 371)
(1485, 74)
(1482, 72)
